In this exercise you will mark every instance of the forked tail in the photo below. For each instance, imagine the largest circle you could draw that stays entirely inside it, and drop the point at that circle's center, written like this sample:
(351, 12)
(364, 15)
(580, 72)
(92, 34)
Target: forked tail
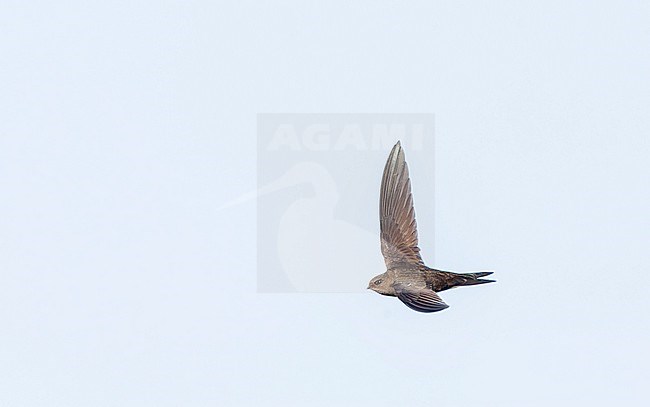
(450, 279)
(473, 278)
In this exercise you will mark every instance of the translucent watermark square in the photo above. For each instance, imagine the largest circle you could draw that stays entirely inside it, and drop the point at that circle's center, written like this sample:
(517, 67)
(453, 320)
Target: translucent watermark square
(318, 195)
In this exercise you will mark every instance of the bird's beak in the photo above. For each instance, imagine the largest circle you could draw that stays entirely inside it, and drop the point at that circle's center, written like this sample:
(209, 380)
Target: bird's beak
(368, 288)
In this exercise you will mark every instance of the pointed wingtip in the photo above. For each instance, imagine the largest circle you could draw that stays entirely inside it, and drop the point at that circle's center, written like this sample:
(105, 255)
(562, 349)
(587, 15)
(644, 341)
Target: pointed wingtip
(397, 149)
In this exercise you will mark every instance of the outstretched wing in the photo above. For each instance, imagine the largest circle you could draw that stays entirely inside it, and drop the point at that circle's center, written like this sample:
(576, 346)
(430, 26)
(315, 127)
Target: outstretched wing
(420, 299)
(399, 235)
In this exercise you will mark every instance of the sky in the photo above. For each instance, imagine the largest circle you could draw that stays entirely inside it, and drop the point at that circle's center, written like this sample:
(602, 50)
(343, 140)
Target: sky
(129, 278)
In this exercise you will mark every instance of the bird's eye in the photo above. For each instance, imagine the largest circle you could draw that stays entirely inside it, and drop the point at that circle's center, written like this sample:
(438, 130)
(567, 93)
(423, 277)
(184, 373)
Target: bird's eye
(377, 282)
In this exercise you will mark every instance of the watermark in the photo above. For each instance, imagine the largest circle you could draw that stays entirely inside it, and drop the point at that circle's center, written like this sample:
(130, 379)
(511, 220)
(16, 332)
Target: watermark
(318, 195)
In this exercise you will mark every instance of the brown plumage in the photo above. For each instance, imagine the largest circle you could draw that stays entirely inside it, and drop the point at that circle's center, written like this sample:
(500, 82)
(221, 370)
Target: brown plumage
(406, 276)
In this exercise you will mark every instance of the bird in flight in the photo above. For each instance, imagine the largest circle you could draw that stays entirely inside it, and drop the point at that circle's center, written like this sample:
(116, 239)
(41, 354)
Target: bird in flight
(406, 276)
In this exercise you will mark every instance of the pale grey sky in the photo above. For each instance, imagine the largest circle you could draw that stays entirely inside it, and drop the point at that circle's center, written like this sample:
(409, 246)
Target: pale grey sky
(125, 125)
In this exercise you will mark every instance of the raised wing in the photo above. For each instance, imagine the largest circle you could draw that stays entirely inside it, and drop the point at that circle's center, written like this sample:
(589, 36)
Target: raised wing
(420, 299)
(399, 235)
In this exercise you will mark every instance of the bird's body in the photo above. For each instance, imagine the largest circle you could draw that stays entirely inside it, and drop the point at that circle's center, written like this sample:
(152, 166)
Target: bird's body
(428, 278)
(406, 277)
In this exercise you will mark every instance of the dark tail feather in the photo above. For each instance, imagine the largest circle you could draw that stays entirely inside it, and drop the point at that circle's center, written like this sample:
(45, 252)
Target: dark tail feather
(474, 278)
(477, 281)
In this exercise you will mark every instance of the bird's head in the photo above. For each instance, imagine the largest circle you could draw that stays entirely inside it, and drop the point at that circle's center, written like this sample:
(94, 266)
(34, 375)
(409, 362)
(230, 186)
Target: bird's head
(381, 284)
